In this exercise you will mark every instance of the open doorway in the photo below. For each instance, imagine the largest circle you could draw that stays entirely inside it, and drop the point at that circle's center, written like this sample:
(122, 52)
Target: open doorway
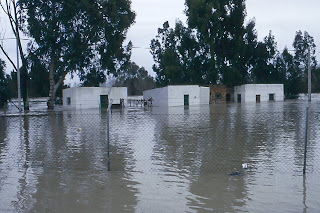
(104, 101)
(258, 98)
(239, 98)
(186, 100)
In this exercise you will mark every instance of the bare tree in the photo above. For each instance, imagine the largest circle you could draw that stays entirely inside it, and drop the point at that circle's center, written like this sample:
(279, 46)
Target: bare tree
(12, 11)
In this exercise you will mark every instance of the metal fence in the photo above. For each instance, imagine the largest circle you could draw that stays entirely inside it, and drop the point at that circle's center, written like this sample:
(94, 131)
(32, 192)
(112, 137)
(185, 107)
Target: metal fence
(180, 162)
(270, 143)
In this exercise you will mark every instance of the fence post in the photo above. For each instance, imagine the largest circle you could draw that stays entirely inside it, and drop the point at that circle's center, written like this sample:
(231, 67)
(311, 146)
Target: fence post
(306, 141)
(108, 138)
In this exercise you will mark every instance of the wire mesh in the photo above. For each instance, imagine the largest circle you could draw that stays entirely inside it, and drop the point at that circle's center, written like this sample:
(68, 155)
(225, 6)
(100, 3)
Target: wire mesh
(267, 142)
(62, 156)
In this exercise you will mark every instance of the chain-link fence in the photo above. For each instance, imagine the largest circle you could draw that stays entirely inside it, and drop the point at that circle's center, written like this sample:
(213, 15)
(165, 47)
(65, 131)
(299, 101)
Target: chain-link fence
(220, 143)
(268, 143)
(61, 157)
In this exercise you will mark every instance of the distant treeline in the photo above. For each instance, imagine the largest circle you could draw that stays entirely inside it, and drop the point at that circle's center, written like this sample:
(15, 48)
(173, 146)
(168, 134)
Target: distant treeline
(218, 47)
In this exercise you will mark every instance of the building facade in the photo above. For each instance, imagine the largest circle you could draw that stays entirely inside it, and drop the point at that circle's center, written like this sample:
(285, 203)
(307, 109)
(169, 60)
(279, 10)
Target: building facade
(221, 94)
(178, 95)
(94, 97)
(259, 93)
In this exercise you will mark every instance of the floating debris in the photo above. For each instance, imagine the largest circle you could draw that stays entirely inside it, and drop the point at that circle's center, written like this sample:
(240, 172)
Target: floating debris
(244, 166)
(235, 174)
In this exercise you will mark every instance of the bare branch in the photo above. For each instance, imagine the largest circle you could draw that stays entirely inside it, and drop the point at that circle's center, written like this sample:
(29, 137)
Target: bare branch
(10, 9)
(7, 56)
(17, 31)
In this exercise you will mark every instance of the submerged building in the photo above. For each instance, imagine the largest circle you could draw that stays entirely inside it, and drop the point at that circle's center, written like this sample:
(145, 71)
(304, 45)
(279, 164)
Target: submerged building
(259, 93)
(94, 97)
(221, 94)
(182, 95)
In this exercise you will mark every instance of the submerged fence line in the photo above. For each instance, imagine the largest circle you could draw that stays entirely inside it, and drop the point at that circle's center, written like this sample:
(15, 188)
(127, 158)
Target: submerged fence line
(271, 143)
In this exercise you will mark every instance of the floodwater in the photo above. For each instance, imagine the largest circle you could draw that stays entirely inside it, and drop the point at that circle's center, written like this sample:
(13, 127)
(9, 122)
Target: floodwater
(162, 160)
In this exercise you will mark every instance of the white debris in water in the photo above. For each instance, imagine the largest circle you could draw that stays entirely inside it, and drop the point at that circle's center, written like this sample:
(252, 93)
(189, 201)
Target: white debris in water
(244, 166)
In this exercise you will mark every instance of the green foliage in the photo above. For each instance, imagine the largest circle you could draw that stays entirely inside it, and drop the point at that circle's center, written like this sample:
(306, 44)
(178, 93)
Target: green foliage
(135, 78)
(220, 25)
(77, 36)
(290, 74)
(4, 87)
(39, 78)
(316, 80)
(93, 78)
(217, 47)
(302, 42)
(176, 55)
(12, 82)
(264, 61)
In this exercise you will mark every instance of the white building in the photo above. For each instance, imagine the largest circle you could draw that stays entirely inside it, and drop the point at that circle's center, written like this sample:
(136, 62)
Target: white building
(93, 97)
(178, 95)
(259, 92)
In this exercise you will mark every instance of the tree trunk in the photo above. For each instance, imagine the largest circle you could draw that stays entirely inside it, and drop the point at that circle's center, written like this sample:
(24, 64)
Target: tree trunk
(24, 86)
(53, 86)
(52, 92)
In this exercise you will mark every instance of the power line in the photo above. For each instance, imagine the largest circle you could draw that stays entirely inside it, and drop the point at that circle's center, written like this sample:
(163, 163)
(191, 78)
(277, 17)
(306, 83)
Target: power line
(25, 39)
(148, 48)
(135, 47)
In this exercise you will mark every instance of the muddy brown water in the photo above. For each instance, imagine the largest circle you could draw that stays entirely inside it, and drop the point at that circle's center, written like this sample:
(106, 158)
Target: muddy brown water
(162, 160)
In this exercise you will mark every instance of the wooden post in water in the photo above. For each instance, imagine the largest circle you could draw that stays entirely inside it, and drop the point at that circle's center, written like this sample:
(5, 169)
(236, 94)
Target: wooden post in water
(108, 137)
(309, 75)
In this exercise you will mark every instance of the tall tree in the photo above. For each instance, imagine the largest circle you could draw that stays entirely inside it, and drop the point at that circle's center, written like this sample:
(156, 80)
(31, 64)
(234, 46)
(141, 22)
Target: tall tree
(251, 43)
(264, 61)
(220, 24)
(290, 74)
(39, 77)
(179, 57)
(76, 36)
(302, 42)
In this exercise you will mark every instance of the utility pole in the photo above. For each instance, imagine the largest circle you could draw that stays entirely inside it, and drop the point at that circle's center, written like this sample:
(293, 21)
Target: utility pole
(18, 65)
(309, 75)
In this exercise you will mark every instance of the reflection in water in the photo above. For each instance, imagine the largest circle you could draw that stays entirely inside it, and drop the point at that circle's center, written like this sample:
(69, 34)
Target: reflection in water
(177, 159)
(49, 165)
(304, 195)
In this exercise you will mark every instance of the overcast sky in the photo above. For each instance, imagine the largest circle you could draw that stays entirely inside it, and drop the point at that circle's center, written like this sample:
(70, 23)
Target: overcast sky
(282, 17)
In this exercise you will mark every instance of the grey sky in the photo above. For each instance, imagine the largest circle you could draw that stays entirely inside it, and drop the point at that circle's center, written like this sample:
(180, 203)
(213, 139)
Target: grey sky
(282, 17)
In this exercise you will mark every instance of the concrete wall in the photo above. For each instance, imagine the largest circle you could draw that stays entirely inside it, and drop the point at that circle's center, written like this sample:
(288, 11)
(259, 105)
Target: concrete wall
(250, 91)
(174, 95)
(89, 97)
(204, 95)
(239, 90)
(159, 96)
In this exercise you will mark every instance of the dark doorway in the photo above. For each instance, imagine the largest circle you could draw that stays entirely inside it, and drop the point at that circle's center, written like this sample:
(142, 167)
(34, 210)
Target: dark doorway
(104, 101)
(258, 98)
(228, 97)
(68, 100)
(186, 100)
(239, 98)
